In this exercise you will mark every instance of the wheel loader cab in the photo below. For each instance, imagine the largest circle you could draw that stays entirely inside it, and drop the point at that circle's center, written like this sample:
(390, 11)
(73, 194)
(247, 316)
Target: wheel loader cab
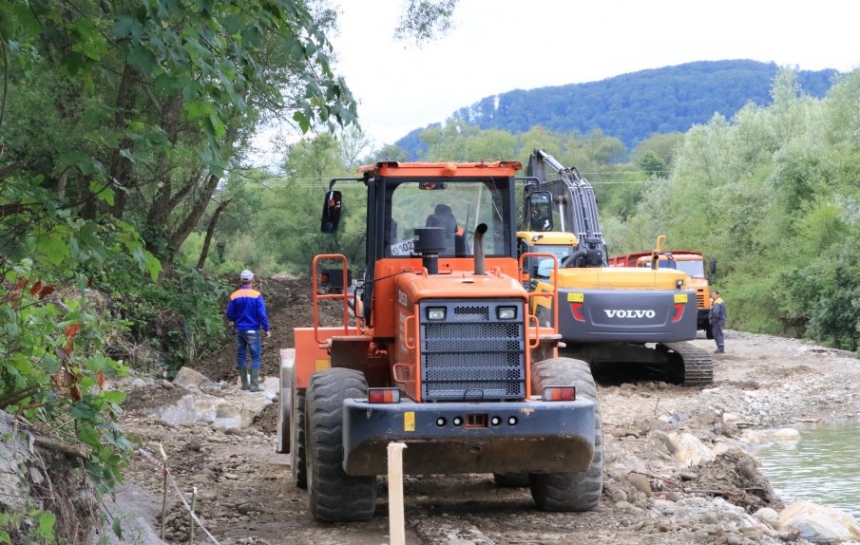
(456, 208)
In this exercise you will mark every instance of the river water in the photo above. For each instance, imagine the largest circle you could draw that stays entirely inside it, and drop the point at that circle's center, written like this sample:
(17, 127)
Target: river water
(822, 467)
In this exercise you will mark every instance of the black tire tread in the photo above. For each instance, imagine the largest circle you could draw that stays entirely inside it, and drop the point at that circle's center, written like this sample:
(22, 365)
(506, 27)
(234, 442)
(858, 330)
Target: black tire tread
(334, 496)
(579, 491)
(298, 448)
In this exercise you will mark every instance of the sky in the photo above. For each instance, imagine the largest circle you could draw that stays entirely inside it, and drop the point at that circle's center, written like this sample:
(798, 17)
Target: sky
(503, 45)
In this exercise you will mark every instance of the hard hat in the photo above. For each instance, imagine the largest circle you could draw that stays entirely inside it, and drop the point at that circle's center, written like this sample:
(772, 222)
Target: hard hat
(246, 275)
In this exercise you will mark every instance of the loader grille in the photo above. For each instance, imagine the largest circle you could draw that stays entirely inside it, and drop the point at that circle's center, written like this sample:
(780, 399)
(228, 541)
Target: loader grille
(472, 355)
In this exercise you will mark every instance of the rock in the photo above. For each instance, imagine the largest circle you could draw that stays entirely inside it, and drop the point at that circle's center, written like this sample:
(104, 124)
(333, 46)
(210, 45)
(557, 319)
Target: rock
(617, 495)
(234, 412)
(189, 379)
(687, 449)
(819, 524)
(688, 475)
(36, 476)
(767, 516)
(788, 435)
(640, 483)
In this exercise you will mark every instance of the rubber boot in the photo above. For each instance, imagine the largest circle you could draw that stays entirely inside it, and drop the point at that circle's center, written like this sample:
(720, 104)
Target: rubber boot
(254, 387)
(243, 375)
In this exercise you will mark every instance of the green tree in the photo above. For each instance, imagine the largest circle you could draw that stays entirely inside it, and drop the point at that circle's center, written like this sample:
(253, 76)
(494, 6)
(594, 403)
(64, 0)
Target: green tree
(155, 101)
(652, 165)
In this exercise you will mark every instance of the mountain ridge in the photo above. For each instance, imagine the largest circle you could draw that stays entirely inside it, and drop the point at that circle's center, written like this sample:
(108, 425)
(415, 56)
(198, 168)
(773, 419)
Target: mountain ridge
(635, 105)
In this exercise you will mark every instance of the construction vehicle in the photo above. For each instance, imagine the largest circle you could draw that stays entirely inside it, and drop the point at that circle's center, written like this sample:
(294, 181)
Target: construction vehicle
(689, 261)
(631, 322)
(441, 353)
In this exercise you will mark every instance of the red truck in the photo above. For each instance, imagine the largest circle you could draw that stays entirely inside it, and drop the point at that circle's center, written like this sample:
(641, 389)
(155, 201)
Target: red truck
(690, 262)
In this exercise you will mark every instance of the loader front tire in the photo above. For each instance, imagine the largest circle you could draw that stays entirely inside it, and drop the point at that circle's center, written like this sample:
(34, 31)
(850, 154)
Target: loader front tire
(334, 496)
(569, 491)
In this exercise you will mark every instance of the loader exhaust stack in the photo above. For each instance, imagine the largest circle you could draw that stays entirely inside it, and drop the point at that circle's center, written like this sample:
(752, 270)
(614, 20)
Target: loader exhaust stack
(479, 248)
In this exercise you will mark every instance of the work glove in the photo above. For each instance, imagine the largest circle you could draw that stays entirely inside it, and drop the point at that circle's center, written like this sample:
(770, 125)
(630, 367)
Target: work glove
(268, 333)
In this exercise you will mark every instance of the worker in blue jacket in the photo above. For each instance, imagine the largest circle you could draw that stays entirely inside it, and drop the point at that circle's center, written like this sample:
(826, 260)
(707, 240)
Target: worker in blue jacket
(247, 311)
(717, 318)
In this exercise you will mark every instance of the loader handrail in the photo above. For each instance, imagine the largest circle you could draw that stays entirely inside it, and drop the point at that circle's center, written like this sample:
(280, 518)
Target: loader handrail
(317, 297)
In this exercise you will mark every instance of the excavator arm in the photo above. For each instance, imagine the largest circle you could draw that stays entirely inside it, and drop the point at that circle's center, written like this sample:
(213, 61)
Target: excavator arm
(575, 204)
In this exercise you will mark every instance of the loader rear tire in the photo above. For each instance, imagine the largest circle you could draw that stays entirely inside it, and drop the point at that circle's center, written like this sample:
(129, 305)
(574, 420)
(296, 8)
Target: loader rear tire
(334, 496)
(297, 440)
(570, 491)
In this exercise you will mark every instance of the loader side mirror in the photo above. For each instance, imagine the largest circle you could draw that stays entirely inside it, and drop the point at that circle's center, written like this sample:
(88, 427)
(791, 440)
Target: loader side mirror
(712, 266)
(331, 212)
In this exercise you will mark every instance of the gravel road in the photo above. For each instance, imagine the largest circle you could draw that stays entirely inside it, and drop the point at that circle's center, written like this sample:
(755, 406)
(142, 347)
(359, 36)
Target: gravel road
(245, 495)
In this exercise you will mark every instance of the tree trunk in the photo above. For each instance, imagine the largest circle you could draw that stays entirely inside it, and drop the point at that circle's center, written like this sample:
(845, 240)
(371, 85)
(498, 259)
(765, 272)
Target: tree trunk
(159, 211)
(203, 196)
(178, 236)
(213, 221)
(121, 167)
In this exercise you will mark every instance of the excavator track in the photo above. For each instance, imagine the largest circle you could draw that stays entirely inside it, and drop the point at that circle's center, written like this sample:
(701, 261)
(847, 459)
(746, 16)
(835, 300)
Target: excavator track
(698, 365)
(676, 363)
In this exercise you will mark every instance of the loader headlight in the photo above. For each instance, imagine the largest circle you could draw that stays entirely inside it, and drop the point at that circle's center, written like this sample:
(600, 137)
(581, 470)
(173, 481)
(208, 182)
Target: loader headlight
(436, 313)
(506, 313)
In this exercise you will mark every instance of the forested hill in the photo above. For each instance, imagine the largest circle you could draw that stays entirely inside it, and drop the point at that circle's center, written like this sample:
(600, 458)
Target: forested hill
(633, 106)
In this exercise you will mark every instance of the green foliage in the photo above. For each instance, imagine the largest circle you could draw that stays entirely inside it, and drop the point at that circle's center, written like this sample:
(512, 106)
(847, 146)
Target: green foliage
(181, 317)
(35, 526)
(273, 222)
(136, 110)
(53, 363)
(775, 200)
(425, 19)
(460, 142)
(824, 300)
(653, 165)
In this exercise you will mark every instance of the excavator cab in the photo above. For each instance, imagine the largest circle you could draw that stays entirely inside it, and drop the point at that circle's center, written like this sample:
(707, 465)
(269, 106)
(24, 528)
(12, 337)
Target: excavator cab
(540, 211)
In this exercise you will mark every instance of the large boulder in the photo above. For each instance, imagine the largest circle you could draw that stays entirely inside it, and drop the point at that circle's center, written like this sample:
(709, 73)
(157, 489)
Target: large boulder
(687, 449)
(818, 524)
(238, 411)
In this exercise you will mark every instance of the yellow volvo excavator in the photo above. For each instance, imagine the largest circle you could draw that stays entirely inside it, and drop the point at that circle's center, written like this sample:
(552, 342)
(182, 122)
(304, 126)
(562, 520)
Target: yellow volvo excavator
(625, 321)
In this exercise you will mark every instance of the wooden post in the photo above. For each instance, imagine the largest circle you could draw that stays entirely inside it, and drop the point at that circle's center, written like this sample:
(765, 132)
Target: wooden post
(396, 522)
(193, 502)
(164, 493)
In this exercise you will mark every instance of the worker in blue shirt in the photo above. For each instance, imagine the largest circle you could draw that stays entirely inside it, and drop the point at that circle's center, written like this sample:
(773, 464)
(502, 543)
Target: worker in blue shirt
(247, 311)
(717, 318)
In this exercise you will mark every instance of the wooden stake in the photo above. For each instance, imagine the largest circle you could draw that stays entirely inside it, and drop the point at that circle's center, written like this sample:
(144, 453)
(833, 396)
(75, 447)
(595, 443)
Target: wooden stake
(396, 522)
(164, 494)
(193, 501)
